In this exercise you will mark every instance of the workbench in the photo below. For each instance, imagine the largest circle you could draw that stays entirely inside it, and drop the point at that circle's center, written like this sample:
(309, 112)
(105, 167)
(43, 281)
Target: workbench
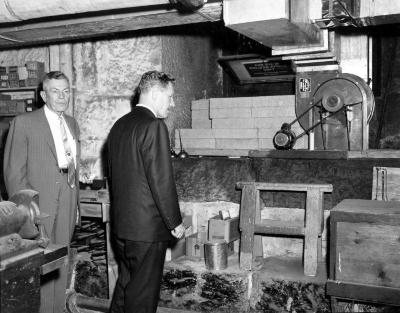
(20, 277)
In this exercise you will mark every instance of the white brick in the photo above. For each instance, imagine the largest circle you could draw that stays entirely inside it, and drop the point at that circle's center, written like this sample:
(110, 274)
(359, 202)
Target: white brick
(195, 133)
(232, 123)
(236, 143)
(274, 111)
(287, 100)
(201, 104)
(250, 133)
(200, 114)
(195, 143)
(230, 113)
(265, 143)
(196, 124)
(266, 132)
(227, 103)
(269, 122)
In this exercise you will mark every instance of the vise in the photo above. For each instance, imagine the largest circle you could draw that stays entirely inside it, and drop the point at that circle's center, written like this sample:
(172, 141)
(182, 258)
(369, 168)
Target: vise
(25, 253)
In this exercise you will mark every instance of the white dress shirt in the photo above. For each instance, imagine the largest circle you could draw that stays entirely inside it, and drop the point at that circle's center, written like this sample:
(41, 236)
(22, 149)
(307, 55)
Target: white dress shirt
(54, 122)
(147, 107)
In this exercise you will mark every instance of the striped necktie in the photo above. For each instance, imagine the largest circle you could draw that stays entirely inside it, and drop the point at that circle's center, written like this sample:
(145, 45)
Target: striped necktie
(68, 154)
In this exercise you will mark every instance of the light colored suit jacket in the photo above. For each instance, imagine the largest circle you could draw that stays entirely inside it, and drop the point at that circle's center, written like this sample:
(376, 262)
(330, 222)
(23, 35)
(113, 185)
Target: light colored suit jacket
(30, 162)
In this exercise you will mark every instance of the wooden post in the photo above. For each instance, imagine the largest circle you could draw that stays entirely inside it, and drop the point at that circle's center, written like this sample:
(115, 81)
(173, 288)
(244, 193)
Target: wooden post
(61, 60)
(247, 219)
(312, 230)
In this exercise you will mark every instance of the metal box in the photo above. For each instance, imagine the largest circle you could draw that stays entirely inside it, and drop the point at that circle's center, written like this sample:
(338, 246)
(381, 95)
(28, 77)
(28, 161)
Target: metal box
(223, 229)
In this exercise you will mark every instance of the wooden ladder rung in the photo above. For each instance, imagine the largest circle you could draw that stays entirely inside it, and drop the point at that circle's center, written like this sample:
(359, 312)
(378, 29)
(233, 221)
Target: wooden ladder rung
(275, 227)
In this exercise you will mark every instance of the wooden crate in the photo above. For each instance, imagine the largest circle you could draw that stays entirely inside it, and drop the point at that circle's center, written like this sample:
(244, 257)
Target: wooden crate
(365, 251)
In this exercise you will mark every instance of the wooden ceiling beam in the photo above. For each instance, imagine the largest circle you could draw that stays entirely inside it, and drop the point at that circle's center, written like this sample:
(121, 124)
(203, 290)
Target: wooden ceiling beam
(96, 26)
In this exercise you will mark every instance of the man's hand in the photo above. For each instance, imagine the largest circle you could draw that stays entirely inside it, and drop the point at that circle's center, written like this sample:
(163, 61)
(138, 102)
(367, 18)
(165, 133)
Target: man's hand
(178, 231)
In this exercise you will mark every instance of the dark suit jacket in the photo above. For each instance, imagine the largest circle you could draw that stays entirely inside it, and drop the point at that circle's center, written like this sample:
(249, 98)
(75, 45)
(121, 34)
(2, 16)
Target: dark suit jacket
(144, 199)
(30, 162)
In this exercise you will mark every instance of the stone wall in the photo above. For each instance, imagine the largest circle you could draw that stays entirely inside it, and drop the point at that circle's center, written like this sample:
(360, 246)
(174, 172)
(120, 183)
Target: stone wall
(107, 72)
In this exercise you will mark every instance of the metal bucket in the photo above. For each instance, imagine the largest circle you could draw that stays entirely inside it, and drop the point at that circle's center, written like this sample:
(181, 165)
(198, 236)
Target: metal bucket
(216, 254)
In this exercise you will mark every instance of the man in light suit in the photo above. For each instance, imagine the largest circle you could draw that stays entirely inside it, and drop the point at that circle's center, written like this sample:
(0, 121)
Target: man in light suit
(43, 156)
(145, 210)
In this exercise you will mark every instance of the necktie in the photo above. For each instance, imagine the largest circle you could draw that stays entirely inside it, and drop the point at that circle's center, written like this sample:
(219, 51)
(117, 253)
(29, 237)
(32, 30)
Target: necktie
(68, 155)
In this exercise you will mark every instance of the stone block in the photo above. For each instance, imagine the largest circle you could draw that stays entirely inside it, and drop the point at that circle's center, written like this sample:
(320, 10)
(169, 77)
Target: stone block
(206, 143)
(230, 113)
(198, 124)
(265, 143)
(270, 122)
(274, 111)
(236, 143)
(279, 101)
(194, 133)
(201, 104)
(231, 103)
(232, 123)
(235, 133)
(200, 114)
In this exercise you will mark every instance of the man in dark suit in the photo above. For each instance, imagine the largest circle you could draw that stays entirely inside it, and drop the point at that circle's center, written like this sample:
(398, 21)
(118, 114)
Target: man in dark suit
(145, 210)
(42, 153)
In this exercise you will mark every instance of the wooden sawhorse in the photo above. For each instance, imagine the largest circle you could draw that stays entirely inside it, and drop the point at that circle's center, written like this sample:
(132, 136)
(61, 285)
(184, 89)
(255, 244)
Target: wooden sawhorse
(251, 223)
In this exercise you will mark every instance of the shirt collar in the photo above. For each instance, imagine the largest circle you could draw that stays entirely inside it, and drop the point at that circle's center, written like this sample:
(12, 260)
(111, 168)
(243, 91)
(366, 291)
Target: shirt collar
(147, 107)
(51, 113)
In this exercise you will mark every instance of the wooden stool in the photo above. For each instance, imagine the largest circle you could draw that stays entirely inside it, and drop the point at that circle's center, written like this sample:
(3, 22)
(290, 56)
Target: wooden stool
(251, 223)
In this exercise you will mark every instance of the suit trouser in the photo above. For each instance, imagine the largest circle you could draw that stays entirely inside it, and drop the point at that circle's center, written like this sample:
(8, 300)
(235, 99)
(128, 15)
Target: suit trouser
(54, 284)
(139, 279)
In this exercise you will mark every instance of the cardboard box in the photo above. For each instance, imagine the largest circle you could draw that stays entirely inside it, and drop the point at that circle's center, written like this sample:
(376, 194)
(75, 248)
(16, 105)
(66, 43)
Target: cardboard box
(194, 247)
(223, 229)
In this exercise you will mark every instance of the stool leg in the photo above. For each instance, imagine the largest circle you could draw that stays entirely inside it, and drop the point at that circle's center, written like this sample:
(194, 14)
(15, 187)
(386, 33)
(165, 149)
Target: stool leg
(258, 247)
(247, 219)
(312, 230)
(334, 305)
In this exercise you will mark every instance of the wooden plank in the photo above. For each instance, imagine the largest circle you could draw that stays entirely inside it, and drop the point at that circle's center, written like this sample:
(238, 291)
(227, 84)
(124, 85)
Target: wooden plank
(369, 211)
(247, 218)
(375, 154)
(91, 209)
(312, 230)
(54, 57)
(53, 265)
(333, 259)
(349, 290)
(258, 245)
(299, 154)
(274, 227)
(286, 186)
(368, 253)
(215, 152)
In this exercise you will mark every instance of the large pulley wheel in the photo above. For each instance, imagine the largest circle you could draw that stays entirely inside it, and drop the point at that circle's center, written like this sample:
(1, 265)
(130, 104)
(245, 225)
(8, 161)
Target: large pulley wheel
(343, 104)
